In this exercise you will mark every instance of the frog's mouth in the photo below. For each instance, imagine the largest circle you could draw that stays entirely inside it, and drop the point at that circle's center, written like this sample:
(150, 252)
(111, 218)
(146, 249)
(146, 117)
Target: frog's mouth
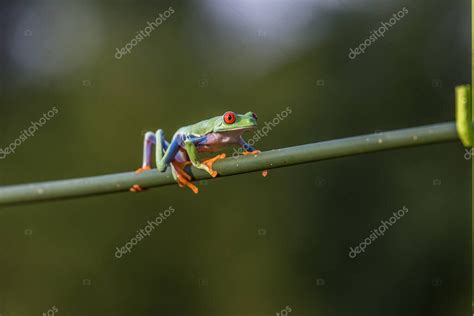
(239, 130)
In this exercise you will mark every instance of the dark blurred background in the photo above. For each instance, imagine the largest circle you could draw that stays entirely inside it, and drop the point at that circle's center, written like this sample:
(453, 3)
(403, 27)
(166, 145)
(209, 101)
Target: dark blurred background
(245, 245)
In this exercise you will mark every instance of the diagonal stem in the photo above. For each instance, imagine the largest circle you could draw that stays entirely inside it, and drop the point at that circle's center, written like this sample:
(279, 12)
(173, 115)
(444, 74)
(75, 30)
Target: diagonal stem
(120, 182)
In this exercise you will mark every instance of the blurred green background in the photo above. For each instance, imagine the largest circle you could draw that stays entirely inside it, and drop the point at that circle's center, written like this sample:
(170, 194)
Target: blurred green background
(245, 245)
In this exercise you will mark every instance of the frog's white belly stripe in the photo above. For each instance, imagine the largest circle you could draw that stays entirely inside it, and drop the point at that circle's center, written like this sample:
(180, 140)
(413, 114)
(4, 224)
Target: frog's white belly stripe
(215, 141)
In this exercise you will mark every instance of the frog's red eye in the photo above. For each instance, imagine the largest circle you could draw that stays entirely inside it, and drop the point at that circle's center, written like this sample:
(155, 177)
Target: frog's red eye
(229, 117)
(254, 116)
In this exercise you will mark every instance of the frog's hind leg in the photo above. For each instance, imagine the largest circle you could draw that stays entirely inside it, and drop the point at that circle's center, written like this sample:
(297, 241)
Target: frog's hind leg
(148, 142)
(161, 146)
(166, 152)
(181, 176)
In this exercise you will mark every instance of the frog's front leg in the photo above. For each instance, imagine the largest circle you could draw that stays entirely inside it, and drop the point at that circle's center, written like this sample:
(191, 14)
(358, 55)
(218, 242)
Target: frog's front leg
(249, 150)
(206, 164)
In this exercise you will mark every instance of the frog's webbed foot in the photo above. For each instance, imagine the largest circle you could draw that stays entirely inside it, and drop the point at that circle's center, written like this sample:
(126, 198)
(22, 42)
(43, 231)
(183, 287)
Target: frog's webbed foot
(251, 152)
(144, 168)
(136, 187)
(209, 162)
(264, 172)
(181, 176)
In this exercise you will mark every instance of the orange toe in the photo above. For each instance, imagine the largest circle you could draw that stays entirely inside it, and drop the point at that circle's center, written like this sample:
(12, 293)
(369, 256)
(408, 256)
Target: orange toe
(179, 167)
(210, 162)
(182, 181)
(140, 170)
(182, 177)
(251, 152)
(192, 187)
(136, 188)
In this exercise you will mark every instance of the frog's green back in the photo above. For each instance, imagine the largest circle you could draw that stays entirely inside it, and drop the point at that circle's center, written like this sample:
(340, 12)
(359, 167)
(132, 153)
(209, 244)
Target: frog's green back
(201, 128)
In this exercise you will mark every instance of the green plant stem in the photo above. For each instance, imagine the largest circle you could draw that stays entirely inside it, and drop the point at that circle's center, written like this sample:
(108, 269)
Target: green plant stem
(61, 189)
(464, 115)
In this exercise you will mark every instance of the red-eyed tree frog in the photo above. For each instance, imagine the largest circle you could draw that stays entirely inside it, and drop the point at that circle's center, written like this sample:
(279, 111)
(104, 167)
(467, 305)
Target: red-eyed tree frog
(210, 135)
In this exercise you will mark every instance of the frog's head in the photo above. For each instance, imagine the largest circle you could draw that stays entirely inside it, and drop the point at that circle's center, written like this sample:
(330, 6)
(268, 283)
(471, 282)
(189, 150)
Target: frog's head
(231, 121)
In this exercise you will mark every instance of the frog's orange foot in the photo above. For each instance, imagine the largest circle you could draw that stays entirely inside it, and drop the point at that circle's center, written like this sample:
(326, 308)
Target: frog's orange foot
(136, 188)
(140, 170)
(264, 172)
(179, 167)
(182, 177)
(251, 152)
(210, 162)
(183, 181)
